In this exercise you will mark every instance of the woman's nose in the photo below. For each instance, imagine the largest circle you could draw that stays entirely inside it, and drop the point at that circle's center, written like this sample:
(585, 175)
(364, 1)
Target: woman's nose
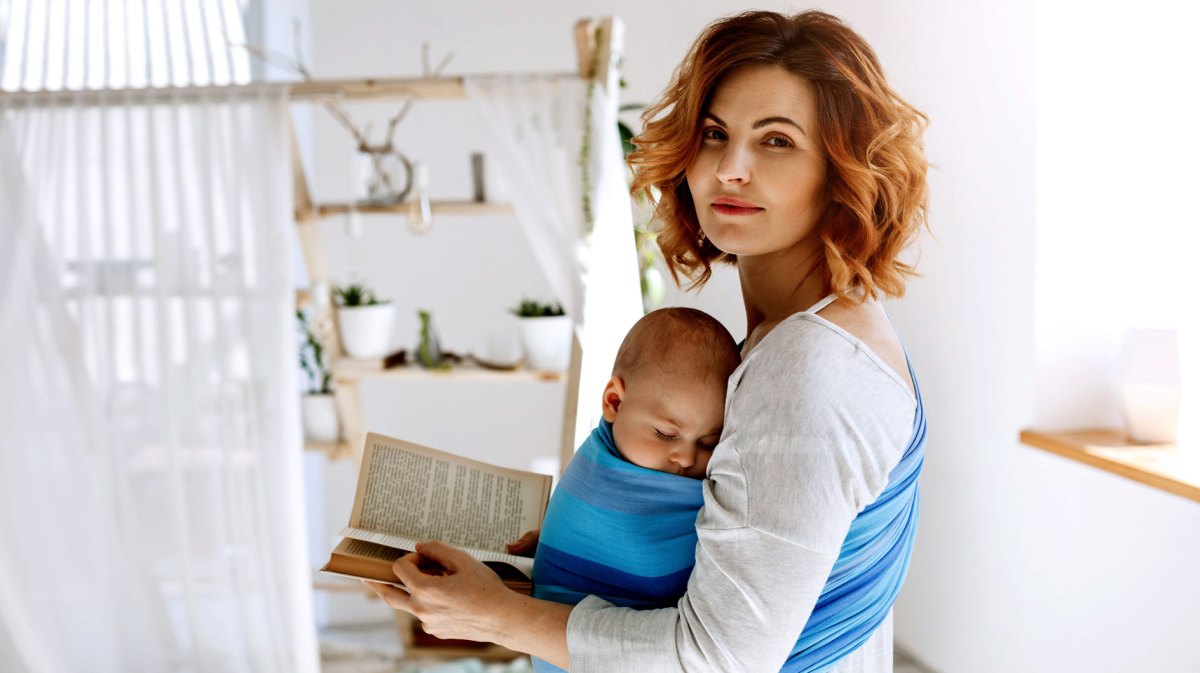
(734, 166)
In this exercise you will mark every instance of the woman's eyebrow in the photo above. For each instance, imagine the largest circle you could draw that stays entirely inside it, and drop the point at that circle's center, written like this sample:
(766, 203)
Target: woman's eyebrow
(760, 123)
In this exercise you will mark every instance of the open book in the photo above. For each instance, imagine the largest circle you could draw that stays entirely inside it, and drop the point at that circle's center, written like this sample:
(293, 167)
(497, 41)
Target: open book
(408, 493)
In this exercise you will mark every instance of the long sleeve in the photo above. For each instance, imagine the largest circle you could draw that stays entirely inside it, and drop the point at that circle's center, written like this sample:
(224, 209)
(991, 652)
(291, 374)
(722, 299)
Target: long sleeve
(814, 423)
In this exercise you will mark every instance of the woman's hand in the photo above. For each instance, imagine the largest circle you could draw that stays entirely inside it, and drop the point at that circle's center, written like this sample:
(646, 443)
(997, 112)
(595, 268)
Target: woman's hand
(526, 545)
(465, 599)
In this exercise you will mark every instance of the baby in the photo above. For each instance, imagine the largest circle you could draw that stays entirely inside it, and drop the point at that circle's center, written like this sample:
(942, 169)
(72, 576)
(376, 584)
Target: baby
(666, 398)
(622, 522)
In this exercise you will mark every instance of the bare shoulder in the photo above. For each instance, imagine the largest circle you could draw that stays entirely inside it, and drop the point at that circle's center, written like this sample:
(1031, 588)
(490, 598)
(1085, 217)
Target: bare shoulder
(868, 323)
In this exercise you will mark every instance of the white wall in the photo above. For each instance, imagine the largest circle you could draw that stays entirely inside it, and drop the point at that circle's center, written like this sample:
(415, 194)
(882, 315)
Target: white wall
(1024, 562)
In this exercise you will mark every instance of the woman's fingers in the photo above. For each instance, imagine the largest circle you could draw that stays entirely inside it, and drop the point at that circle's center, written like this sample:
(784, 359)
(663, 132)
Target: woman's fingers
(525, 545)
(453, 594)
(413, 569)
(450, 558)
(396, 599)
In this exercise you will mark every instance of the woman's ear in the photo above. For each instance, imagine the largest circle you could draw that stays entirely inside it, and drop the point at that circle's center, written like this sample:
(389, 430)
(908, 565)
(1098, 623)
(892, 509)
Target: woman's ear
(614, 394)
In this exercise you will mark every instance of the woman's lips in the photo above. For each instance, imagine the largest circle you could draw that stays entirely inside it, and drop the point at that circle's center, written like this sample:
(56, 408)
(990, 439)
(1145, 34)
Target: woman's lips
(726, 209)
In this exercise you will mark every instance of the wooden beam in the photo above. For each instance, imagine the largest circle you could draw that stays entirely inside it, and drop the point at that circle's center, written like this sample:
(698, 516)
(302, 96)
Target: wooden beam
(585, 46)
(317, 91)
(301, 196)
(570, 404)
(348, 398)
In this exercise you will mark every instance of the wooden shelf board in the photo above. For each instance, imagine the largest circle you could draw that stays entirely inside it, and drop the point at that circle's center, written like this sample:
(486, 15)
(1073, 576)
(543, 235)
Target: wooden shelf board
(334, 450)
(348, 371)
(393, 88)
(437, 207)
(1166, 467)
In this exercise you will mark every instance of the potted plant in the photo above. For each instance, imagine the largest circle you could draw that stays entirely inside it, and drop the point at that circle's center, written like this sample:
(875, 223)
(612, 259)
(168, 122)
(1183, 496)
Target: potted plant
(545, 335)
(364, 321)
(317, 408)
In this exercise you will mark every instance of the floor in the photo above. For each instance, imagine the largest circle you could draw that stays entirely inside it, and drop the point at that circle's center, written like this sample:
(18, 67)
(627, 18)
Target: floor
(903, 662)
(375, 648)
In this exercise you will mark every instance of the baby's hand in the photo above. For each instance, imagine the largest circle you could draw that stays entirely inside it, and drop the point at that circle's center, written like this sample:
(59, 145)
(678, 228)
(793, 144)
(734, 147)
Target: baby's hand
(526, 545)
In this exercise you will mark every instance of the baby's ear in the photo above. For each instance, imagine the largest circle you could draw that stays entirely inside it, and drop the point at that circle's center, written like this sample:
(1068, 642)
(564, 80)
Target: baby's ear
(614, 394)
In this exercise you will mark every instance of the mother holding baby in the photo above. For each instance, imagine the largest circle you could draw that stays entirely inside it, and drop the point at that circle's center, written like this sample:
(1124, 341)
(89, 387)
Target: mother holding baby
(779, 148)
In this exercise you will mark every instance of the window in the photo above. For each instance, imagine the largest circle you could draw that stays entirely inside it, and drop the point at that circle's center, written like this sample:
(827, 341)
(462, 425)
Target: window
(93, 44)
(1117, 102)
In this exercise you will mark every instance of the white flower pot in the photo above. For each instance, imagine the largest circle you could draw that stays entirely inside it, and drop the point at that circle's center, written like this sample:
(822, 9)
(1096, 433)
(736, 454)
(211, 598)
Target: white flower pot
(547, 342)
(320, 418)
(1150, 385)
(366, 330)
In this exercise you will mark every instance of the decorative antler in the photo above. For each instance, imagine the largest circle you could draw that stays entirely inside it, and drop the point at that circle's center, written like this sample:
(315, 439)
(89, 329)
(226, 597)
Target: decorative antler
(335, 107)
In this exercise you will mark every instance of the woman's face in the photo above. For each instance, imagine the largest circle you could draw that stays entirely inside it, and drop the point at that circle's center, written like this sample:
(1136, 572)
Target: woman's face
(758, 179)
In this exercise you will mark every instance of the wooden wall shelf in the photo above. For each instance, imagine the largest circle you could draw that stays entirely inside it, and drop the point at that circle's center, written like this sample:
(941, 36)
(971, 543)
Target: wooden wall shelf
(347, 370)
(437, 207)
(1166, 467)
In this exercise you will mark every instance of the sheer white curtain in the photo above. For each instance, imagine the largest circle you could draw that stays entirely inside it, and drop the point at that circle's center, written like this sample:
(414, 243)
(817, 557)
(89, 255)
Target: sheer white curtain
(152, 497)
(536, 132)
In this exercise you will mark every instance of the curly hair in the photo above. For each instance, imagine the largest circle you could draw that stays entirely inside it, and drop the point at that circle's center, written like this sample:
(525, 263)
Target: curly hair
(875, 161)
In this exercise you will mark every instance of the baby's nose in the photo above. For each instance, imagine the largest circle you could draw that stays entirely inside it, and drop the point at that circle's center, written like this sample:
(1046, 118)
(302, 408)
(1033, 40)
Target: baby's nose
(684, 457)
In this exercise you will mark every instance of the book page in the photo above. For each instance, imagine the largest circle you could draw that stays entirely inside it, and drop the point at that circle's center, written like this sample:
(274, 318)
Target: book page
(522, 563)
(415, 493)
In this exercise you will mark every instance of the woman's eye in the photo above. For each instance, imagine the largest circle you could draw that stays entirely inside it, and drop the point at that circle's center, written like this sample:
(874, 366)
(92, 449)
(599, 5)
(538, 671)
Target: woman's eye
(663, 435)
(712, 134)
(783, 142)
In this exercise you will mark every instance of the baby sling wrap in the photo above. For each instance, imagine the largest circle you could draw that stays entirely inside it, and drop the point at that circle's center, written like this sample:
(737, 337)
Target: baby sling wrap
(616, 530)
(627, 534)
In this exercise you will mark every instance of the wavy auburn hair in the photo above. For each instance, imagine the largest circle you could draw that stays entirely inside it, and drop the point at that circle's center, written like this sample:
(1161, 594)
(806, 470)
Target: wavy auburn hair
(875, 161)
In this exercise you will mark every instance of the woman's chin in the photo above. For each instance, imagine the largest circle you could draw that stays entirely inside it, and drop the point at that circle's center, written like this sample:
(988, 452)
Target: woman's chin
(730, 245)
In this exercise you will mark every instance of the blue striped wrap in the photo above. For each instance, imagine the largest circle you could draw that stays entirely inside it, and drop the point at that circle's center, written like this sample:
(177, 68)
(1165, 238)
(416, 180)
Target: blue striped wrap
(616, 530)
(627, 534)
(871, 567)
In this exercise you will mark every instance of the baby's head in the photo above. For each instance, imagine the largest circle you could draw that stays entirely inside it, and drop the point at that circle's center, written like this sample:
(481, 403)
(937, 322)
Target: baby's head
(666, 397)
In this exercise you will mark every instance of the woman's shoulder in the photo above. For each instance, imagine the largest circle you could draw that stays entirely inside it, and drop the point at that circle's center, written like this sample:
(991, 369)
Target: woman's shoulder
(815, 349)
(812, 413)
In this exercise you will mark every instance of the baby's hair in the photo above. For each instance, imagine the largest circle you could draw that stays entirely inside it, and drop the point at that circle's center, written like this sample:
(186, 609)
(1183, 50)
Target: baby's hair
(678, 338)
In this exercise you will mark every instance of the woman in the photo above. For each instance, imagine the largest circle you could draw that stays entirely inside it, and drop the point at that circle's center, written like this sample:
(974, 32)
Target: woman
(779, 148)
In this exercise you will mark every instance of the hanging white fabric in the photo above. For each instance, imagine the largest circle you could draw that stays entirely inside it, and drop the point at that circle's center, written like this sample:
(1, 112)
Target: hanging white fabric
(612, 285)
(169, 532)
(536, 131)
(70, 599)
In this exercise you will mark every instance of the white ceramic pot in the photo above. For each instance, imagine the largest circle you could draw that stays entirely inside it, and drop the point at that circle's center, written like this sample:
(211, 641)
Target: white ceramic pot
(1150, 385)
(367, 330)
(547, 342)
(320, 418)
(504, 348)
